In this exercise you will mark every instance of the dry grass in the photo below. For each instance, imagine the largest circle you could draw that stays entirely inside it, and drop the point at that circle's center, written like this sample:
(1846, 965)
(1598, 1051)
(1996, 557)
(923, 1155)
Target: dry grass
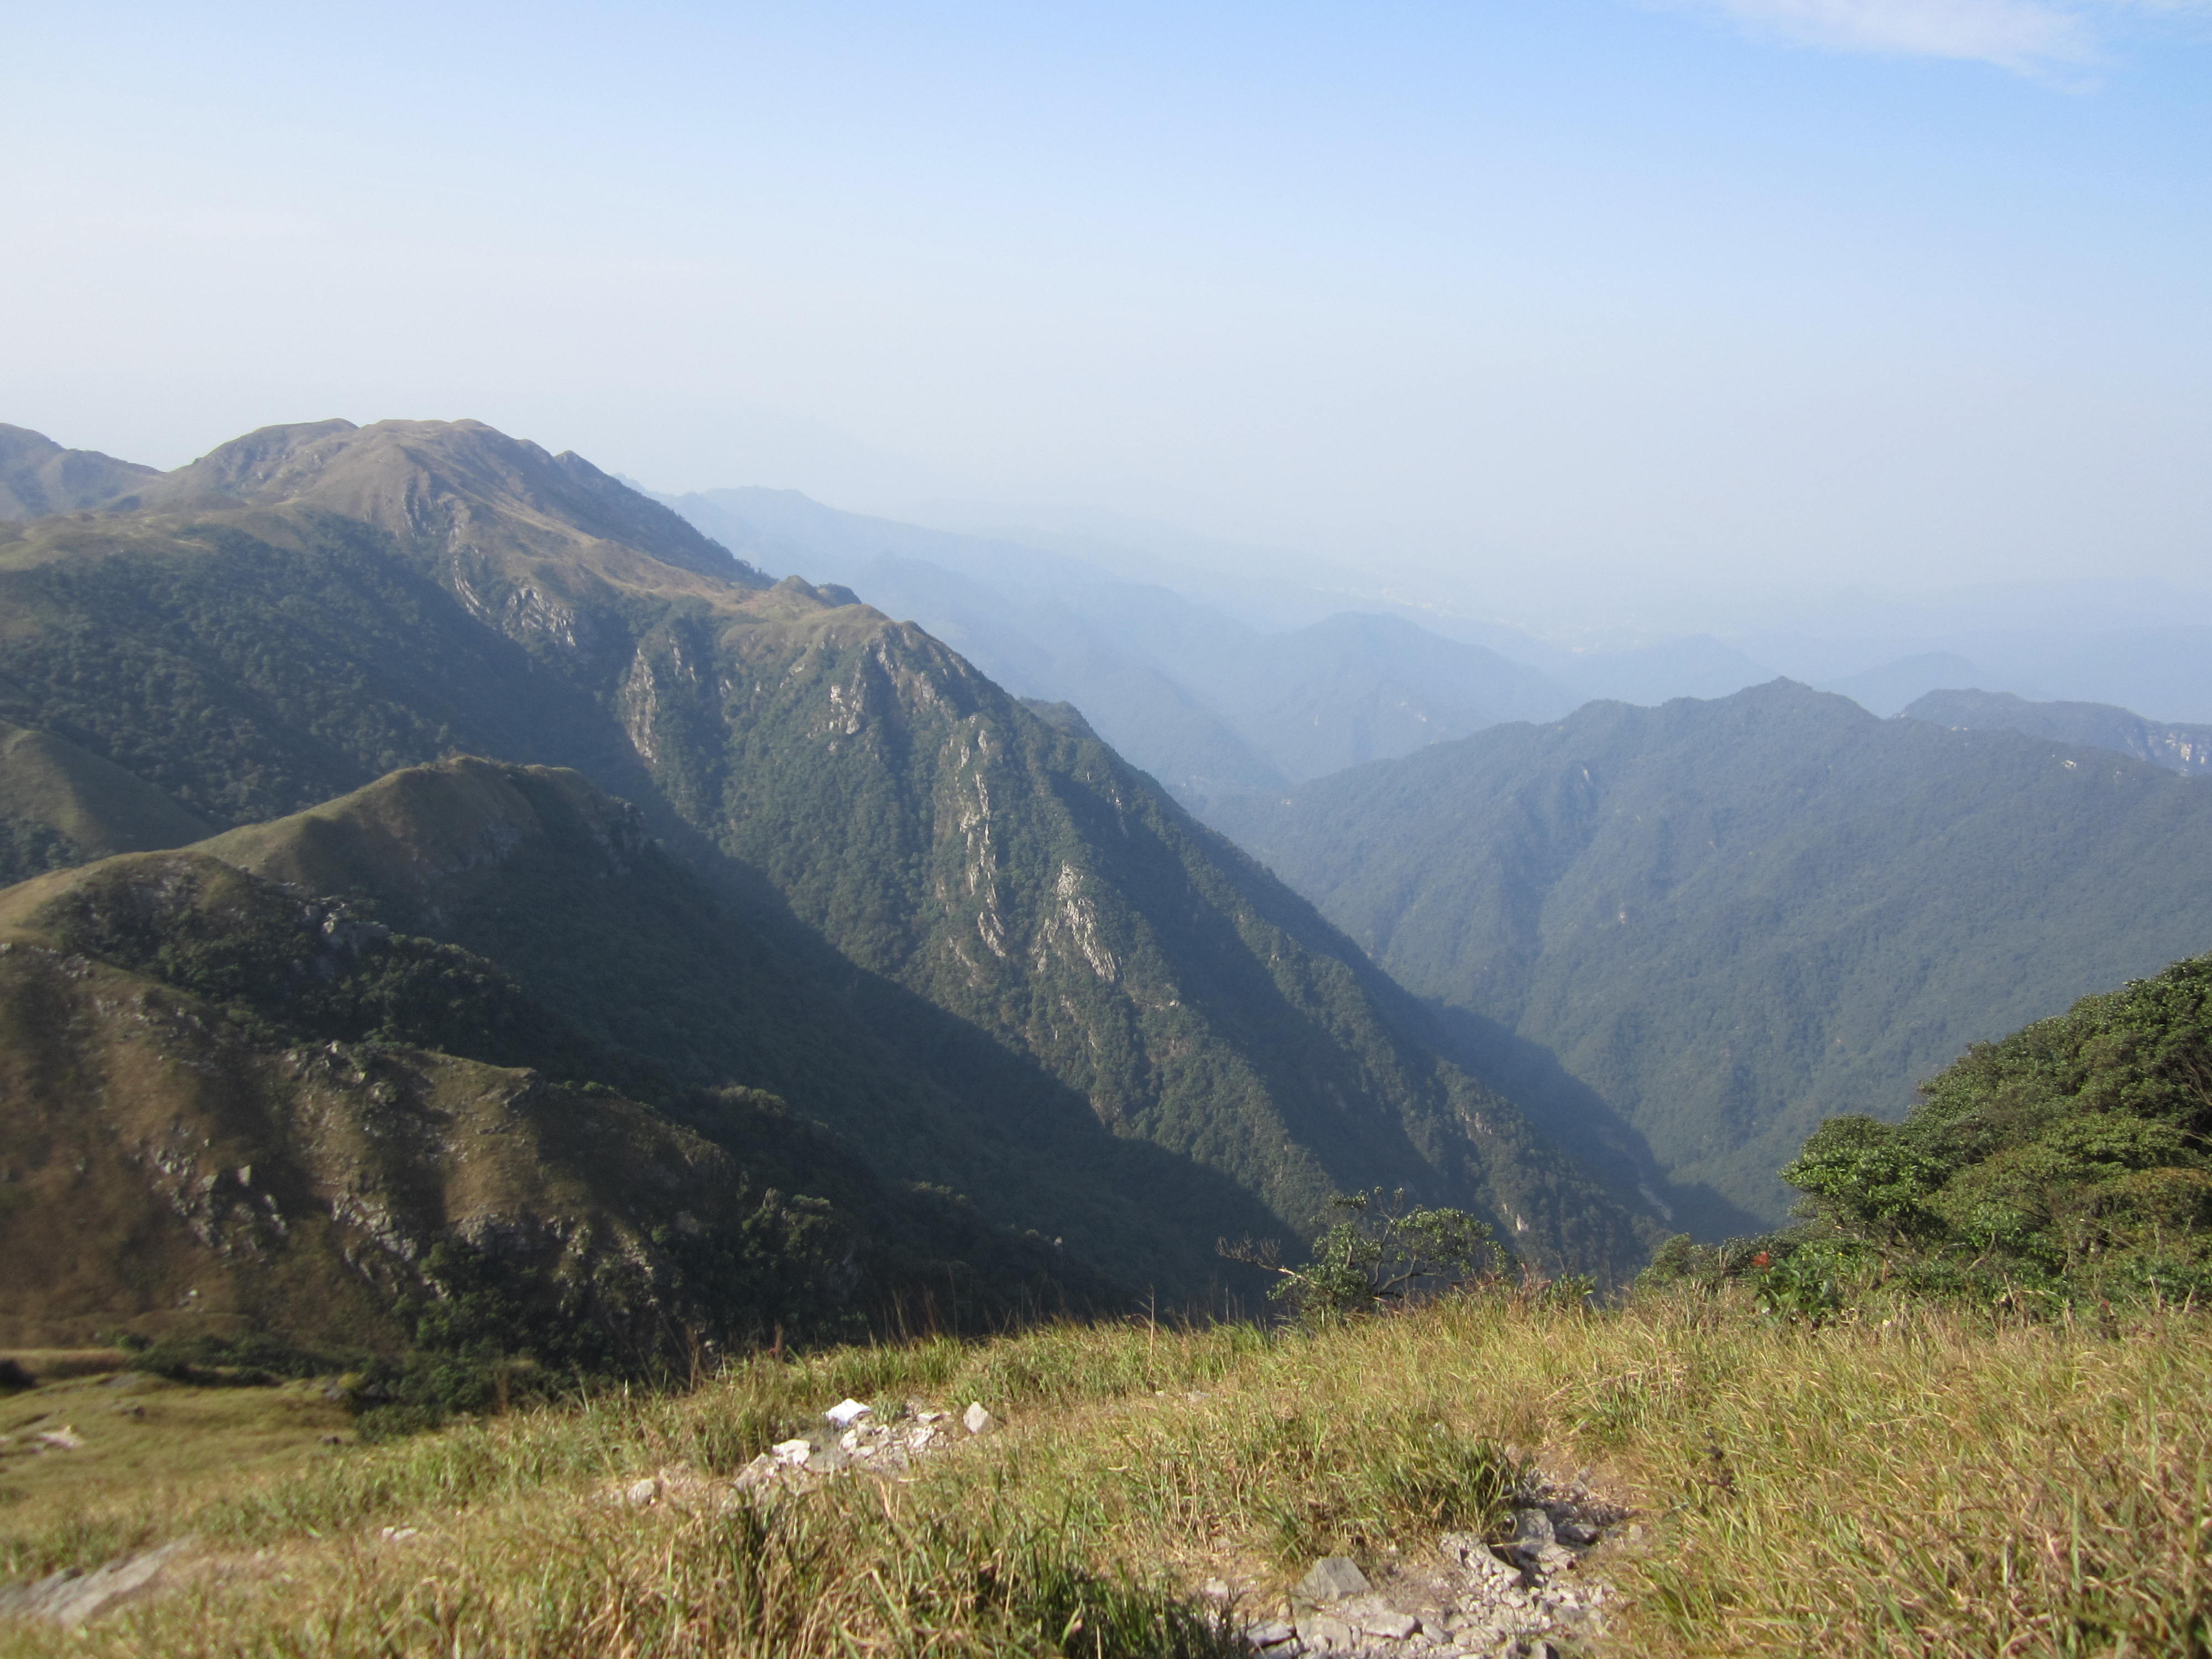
(1933, 1487)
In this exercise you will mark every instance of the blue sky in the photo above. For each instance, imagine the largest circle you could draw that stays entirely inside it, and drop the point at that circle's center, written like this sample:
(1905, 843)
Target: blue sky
(1576, 298)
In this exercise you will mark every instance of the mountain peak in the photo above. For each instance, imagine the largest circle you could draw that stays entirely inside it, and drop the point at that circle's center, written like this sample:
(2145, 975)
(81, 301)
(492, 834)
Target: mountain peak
(39, 478)
(449, 487)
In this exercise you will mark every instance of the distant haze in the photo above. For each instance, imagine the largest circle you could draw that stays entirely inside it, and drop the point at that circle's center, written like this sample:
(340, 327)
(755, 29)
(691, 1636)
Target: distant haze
(1586, 314)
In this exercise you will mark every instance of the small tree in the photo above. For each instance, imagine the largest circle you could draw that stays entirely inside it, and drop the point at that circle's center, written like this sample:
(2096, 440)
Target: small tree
(1380, 1254)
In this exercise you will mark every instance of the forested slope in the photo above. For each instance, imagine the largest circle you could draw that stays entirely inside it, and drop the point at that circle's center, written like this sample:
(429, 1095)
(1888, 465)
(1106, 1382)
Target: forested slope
(1724, 921)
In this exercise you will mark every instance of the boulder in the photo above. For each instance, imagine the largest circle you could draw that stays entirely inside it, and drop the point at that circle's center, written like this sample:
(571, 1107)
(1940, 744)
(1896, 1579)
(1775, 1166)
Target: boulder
(1320, 1630)
(1332, 1578)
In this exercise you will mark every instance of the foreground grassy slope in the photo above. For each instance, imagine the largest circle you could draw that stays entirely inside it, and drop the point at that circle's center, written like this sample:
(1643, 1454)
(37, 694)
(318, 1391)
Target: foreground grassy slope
(1928, 1483)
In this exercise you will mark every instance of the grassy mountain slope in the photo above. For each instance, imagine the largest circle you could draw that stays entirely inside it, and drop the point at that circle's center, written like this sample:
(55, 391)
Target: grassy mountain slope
(2184, 749)
(38, 477)
(310, 607)
(215, 1121)
(667, 989)
(60, 805)
(1724, 921)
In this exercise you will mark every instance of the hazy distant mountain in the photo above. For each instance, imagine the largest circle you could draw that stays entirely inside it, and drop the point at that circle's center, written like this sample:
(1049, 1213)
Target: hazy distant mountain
(2165, 670)
(2184, 749)
(1699, 666)
(1885, 689)
(39, 477)
(1015, 922)
(1208, 704)
(1720, 922)
(2144, 645)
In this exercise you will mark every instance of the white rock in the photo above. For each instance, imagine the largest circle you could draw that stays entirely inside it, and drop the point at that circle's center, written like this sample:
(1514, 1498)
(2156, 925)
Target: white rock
(794, 1452)
(641, 1491)
(846, 1413)
(978, 1420)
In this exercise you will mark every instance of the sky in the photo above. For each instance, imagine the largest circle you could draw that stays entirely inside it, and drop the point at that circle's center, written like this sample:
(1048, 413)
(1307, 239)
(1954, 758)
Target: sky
(1571, 303)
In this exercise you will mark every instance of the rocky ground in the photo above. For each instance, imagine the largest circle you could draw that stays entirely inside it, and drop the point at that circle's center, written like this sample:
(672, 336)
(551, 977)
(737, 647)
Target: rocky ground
(1534, 1596)
(1529, 1597)
(1522, 1599)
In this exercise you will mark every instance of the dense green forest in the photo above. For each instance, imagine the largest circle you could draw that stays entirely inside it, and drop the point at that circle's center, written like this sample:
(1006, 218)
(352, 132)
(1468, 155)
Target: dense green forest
(1705, 927)
(2066, 1166)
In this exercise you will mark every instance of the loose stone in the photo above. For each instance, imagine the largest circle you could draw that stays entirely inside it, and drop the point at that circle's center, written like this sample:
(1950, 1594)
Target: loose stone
(1332, 1578)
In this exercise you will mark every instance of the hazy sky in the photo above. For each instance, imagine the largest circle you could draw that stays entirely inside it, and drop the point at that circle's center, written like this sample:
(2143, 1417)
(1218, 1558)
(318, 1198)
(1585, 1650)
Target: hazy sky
(1767, 292)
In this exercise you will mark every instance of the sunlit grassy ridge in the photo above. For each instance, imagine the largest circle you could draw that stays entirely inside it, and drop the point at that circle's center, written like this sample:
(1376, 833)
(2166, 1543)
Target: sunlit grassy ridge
(1929, 1484)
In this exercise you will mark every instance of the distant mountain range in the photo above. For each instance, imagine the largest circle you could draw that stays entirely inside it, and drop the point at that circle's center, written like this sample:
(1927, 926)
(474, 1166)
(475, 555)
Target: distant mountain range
(979, 956)
(1218, 684)
(2184, 749)
(1205, 703)
(1710, 924)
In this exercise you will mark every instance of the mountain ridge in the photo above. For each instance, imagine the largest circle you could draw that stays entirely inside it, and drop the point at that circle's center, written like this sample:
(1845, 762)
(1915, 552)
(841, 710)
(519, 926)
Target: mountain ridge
(2177, 748)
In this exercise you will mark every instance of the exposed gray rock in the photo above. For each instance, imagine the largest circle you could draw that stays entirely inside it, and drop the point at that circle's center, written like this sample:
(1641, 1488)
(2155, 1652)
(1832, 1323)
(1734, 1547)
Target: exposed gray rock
(1394, 1626)
(1325, 1630)
(978, 1420)
(1332, 1578)
(71, 1596)
(1468, 1550)
(1478, 1597)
